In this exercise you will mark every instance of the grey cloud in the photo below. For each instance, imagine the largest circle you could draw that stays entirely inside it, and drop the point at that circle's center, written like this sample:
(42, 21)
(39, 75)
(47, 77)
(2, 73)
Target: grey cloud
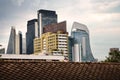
(17, 2)
(106, 6)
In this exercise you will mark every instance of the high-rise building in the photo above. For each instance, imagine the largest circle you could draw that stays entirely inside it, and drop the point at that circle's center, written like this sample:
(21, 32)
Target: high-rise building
(52, 44)
(81, 51)
(32, 32)
(45, 17)
(15, 42)
(11, 49)
(70, 44)
(19, 43)
(23, 45)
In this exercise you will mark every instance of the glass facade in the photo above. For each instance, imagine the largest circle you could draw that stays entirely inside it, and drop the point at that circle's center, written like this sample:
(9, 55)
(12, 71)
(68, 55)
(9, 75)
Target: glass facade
(81, 51)
(30, 35)
(12, 41)
(70, 44)
(45, 17)
(15, 42)
(20, 35)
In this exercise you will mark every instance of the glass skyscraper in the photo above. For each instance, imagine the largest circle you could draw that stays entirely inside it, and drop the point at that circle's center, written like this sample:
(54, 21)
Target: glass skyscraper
(45, 17)
(81, 51)
(32, 32)
(15, 42)
(70, 44)
(12, 42)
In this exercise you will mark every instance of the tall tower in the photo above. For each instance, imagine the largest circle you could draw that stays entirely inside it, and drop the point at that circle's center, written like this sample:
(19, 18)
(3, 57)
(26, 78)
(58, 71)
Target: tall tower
(81, 43)
(20, 35)
(45, 17)
(19, 43)
(12, 42)
(32, 32)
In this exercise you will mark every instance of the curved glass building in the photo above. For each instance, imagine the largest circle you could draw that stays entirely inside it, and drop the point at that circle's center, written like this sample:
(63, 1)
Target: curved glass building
(81, 51)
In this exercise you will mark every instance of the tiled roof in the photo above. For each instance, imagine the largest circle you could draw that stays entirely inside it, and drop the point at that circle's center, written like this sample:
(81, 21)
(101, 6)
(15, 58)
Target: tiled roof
(15, 70)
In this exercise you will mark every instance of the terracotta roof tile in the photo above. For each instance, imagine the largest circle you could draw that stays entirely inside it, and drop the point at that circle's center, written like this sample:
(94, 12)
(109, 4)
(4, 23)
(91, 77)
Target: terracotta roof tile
(20, 70)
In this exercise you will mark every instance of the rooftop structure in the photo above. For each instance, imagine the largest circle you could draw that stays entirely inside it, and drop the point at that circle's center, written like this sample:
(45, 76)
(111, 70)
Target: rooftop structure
(31, 57)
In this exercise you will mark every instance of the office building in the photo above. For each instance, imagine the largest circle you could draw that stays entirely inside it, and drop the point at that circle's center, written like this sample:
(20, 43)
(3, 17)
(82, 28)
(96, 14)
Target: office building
(32, 32)
(70, 44)
(45, 17)
(19, 43)
(52, 44)
(81, 51)
(11, 49)
(23, 45)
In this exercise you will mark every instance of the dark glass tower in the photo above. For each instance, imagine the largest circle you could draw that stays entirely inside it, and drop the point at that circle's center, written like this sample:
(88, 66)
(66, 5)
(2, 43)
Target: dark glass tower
(70, 44)
(32, 32)
(20, 42)
(45, 17)
(20, 34)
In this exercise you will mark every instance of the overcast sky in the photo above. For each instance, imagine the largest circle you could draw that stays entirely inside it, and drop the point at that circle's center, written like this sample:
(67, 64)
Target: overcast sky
(102, 18)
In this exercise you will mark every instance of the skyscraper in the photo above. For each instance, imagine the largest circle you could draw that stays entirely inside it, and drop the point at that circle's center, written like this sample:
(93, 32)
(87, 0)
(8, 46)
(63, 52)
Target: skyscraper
(23, 45)
(19, 43)
(70, 44)
(20, 35)
(81, 51)
(45, 17)
(32, 32)
(12, 42)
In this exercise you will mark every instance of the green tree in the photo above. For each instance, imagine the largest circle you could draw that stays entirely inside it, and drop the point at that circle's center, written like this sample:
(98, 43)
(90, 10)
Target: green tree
(114, 56)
